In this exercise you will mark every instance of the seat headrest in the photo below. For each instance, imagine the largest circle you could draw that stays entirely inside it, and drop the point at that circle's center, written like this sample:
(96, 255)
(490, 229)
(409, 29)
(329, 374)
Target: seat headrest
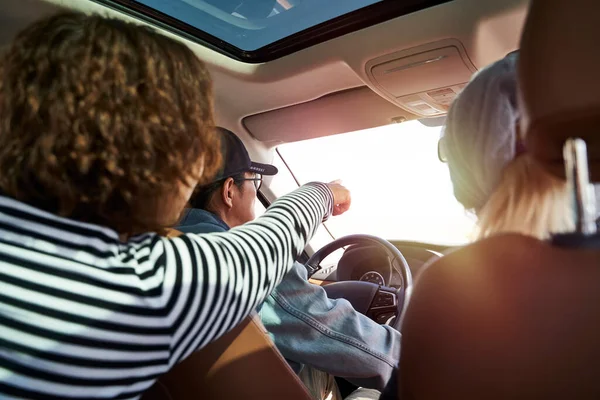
(559, 80)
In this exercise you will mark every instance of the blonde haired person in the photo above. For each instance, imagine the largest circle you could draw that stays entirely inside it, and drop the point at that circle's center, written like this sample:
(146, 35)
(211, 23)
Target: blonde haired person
(491, 172)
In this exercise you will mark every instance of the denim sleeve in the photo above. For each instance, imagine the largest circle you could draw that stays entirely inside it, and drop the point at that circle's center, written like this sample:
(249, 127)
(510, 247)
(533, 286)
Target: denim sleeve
(309, 328)
(201, 228)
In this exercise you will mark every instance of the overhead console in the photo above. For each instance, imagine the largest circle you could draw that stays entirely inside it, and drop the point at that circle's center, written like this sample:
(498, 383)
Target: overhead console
(423, 80)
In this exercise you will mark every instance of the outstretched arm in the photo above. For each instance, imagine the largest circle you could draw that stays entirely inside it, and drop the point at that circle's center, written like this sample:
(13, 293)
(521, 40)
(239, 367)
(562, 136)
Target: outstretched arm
(210, 282)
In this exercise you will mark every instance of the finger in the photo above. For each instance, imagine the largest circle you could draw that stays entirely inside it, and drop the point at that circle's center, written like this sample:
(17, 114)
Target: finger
(344, 206)
(336, 182)
(338, 211)
(341, 208)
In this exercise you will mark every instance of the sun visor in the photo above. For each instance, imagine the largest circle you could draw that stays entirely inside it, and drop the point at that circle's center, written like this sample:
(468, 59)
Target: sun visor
(340, 112)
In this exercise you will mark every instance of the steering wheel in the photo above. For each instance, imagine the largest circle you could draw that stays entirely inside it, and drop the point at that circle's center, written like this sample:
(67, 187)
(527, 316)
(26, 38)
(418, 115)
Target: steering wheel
(377, 302)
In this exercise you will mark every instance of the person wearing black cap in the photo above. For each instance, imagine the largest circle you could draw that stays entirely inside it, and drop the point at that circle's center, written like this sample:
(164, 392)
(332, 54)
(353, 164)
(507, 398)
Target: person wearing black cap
(231, 195)
(320, 337)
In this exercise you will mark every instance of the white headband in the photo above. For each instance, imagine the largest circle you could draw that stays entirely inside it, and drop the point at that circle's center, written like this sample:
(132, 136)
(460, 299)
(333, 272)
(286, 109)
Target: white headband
(479, 137)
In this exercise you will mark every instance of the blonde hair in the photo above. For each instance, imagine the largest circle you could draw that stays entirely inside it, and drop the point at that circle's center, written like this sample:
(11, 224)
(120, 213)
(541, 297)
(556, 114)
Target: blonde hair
(527, 200)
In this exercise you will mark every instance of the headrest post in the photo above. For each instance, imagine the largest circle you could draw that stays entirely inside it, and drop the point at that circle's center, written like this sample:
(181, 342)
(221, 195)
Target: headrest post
(583, 202)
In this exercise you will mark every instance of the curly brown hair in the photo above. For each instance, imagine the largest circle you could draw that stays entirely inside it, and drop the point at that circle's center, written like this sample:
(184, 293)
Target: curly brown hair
(101, 120)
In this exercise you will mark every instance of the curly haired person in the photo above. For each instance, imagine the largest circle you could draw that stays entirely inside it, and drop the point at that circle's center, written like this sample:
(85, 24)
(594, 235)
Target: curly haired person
(105, 129)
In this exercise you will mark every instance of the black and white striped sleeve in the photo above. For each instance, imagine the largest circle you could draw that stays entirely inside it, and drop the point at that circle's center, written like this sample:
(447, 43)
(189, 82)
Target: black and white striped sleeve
(217, 279)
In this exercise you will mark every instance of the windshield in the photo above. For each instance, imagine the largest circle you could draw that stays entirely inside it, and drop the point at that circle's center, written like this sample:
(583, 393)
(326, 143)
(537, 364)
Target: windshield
(400, 189)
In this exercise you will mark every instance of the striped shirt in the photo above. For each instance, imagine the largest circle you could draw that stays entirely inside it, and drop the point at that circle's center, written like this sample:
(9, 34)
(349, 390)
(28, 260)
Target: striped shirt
(84, 315)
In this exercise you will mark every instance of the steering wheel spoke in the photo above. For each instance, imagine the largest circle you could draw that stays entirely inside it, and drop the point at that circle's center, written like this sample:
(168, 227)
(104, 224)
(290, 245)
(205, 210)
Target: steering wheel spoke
(384, 306)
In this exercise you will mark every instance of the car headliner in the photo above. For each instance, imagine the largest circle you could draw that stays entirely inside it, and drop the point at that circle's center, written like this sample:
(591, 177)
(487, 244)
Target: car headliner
(487, 29)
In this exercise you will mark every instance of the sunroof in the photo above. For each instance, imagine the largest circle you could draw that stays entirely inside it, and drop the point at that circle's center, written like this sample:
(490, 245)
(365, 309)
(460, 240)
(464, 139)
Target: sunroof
(252, 24)
(262, 30)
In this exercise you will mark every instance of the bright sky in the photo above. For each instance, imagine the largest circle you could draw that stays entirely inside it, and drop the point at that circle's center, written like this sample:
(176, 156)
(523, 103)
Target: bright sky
(400, 190)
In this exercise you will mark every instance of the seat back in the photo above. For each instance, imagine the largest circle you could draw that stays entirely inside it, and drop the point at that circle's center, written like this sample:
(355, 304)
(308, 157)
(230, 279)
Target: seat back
(242, 364)
(512, 317)
(509, 317)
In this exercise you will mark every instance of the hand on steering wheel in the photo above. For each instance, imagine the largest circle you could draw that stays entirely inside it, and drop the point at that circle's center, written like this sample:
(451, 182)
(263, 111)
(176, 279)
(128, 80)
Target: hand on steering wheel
(384, 302)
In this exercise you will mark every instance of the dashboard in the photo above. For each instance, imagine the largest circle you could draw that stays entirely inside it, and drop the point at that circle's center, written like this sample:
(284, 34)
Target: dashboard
(371, 264)
(373, 277)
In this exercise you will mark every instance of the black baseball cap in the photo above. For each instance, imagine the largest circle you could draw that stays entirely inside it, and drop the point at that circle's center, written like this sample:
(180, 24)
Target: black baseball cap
(236, 159)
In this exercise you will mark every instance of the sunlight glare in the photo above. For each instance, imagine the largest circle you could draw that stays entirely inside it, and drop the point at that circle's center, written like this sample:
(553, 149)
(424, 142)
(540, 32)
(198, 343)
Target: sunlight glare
(400, 189)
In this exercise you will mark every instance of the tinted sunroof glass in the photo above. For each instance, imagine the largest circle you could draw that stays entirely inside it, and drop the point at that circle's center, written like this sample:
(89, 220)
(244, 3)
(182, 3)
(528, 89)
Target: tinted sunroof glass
(252, 24)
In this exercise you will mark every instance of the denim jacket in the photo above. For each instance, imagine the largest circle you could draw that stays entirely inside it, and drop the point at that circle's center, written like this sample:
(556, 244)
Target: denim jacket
(309, 328)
